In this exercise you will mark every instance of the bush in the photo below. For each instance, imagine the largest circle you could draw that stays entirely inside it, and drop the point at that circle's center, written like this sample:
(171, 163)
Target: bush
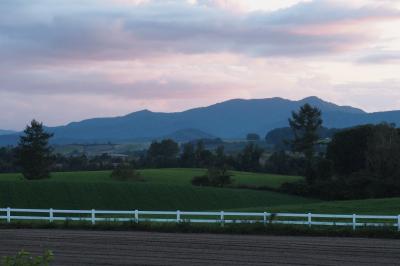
(24, 258)
(216, 177)
(125, 173)
(300, 188)
(201, 181)
(219, 177)
(283, 163)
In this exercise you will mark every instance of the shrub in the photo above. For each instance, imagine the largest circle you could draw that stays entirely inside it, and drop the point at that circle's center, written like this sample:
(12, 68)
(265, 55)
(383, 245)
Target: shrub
(219, 177)
(125, 173)
(24, 258)
(201, 181)
(216, 177)
(296, 188)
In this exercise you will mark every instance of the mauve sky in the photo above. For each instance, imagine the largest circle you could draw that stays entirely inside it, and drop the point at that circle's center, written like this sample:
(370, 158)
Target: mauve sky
(67, 60)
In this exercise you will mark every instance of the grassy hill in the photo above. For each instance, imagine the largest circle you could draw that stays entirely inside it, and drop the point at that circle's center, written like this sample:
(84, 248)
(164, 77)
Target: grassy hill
(385, 206)
(173, 176)
(163, 189)
(170, 189)
(125, 196)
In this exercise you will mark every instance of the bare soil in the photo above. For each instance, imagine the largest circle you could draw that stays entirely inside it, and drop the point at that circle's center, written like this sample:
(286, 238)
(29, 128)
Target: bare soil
(79, 247)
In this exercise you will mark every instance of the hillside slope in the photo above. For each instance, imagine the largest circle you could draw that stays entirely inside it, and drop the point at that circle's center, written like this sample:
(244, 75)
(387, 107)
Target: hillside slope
(230, 119)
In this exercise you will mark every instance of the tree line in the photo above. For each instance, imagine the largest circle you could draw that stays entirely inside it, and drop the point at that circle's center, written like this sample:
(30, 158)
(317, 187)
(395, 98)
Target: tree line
(167, 153)
(358, 162)
(34, 157)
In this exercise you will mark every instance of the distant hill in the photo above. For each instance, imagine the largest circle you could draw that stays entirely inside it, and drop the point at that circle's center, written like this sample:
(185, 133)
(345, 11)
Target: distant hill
(229, 120)
(186, 135)
(6, 132)
(278, 137)
(6, 140)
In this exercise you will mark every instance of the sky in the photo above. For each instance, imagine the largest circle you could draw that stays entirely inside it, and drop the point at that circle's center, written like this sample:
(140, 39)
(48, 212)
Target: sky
(68, 60)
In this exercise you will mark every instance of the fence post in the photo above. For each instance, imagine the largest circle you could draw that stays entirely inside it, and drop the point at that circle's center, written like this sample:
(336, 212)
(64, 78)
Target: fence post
(398, 222)
(93, 217)
(265, 218)
(222, 219)
(8, 215)
(178, 216)
(137, 216)
(51, 215)
(309, 219)
(354, 222)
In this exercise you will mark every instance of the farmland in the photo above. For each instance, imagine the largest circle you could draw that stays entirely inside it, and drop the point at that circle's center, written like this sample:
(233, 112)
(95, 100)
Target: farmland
(385, 206)
(162, 189)
(79, 247)
(173, 176)
(170, 189)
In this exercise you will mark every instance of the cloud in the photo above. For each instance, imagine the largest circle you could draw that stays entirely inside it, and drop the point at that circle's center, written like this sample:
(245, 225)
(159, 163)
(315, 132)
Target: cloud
(96, 85)
(232, 5)
(366, 93)
(45, 31)
(74, 102)
(168, 55)
(384, 57)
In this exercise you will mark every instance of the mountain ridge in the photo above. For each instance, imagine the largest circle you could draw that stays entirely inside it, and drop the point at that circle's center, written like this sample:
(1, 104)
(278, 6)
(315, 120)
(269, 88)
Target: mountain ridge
(230, 119)
(6, 132)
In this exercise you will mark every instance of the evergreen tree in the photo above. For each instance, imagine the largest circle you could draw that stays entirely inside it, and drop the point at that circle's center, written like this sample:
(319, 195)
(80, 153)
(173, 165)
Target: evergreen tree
(249, 158)
(305, 125)
(188, 156)
(220, 157)
(34, 153)
(163, 154)
(204, 157)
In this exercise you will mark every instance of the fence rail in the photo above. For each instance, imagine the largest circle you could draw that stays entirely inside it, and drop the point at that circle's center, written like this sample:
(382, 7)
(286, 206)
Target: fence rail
(136, 216)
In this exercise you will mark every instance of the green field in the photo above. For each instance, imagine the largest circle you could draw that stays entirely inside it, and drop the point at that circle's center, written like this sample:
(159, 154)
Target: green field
(173, 176)
(386, 206)
(163, 189)
(170, 189)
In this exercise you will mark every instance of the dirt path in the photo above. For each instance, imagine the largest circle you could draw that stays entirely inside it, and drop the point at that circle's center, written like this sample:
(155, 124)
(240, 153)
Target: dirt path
(143, 248)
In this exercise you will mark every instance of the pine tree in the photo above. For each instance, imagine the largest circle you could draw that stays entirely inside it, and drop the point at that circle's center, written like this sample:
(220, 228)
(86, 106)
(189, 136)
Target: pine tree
(34, 153)
(305, 125)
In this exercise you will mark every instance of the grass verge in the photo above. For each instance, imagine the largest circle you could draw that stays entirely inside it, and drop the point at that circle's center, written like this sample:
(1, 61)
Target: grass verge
(246, 229)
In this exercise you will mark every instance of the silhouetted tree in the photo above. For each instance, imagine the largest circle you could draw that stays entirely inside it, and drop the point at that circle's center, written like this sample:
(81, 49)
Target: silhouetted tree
(7, 160)
(305, 125)
(163, 154)
(215, 176)
(188, 156)
(285, 164)
(204, 158)
(348, 149)
(125, 172)
(249, 158)
(220, 157)
(362, 162)
(383, 159)
(34, 153)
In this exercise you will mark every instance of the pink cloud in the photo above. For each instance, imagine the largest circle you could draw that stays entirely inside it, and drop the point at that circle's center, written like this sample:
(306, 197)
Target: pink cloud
(171, 55)
(155, 28)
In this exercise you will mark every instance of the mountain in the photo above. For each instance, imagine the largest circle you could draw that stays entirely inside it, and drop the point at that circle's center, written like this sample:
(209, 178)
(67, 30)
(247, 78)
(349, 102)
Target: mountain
(186, 135)
(230, 120)
(6, 132)
(278, 137)
(6, 140)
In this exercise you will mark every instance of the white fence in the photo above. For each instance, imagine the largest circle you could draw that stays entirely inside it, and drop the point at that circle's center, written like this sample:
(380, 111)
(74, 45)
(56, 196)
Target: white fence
(136, 216)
